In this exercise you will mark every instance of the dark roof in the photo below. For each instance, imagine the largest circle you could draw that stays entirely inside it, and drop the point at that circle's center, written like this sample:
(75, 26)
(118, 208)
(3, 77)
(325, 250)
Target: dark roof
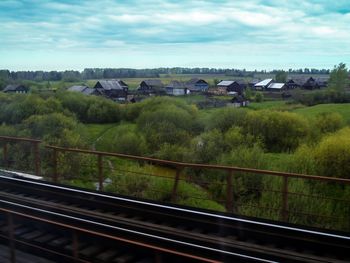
(88, 91)
(13, 87)
(195, 80)
(241, 81)
(153, 82)
(302, 80)
(113, 84)
(77, 88)
(175, 84)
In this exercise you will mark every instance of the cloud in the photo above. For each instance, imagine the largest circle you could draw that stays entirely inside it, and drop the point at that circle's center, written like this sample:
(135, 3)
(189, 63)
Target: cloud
(267, 27)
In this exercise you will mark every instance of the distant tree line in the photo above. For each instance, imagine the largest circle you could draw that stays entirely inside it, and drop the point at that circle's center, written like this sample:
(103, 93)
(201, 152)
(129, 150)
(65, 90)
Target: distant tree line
(107, 73)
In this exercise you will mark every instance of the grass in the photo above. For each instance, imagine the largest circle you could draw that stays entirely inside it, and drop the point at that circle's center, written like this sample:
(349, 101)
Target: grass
(94, 131)
(275, 104)
(313, 111)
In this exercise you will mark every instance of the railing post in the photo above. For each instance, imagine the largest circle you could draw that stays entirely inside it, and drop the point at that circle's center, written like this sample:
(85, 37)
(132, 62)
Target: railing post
(37, 158)
(176, 184)
(229, 192)
(284, 211)
(55, 171)
(11, 238)
(100, 172)
(5, 152)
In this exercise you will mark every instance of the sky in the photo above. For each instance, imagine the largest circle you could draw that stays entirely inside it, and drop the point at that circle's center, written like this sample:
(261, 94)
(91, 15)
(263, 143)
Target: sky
(250, 34)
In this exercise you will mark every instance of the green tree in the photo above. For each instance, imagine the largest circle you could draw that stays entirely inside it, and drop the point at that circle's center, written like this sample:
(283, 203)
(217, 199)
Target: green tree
(259, 97)
(339, 78)
(281, 76)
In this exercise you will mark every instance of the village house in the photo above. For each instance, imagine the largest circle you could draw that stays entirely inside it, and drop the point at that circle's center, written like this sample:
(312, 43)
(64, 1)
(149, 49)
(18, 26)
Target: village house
(151, 86)
(276, 87)
(262, 85)
(252, 82)
(16, 88)
(176, 88)
(84, 90)
(197, 85)
(230, 87)
(292, 84)
(112, 89)
(309, 83)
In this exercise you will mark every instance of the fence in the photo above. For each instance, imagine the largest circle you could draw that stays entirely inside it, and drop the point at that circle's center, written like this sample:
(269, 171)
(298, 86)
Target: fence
(289, 197)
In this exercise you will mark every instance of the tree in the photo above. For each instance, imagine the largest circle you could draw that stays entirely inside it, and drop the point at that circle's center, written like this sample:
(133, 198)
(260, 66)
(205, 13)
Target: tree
(259, 97)
(281, 76)
(339, 78)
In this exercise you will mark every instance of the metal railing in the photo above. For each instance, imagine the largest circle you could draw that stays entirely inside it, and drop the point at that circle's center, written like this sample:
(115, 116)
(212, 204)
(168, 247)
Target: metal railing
(224, 178)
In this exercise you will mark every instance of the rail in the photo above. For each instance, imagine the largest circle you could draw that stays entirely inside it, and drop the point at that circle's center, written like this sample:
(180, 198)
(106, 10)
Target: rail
(75, 231)
(224, 179)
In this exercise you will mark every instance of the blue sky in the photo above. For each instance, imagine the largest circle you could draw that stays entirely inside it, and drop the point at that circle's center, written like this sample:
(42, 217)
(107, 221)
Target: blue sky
(251, 34)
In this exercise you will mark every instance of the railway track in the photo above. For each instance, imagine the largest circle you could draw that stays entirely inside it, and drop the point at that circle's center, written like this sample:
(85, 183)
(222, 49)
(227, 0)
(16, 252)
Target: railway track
(132, 230)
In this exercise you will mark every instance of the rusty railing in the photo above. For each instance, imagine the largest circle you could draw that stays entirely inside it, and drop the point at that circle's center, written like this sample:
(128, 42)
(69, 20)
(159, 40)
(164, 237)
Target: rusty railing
(225, 178)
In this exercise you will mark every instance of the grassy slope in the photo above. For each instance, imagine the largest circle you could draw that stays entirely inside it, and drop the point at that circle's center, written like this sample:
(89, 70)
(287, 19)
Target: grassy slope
(342, 109)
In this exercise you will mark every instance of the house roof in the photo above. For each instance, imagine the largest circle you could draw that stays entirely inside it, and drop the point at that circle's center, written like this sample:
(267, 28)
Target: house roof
(276, 86)
(112, 84)
(77, 88)
(88, 91)
(175, 84)
(195, 80)
(225, 82)
(264, 82)
(12, 87)
(241, 81)
(153, 82)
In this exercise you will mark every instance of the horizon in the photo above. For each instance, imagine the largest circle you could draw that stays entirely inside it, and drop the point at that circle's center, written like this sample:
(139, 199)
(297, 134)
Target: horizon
(251, 35)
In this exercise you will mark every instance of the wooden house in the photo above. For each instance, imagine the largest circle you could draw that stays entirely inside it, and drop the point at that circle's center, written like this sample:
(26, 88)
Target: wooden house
(229, 87)
(84, 90)
(197, 85)
(176, 88)
(113, 89)
(309, 83)
(292, 84)
(16, 88)
(276, 87)
(262, 85)
(151, 86)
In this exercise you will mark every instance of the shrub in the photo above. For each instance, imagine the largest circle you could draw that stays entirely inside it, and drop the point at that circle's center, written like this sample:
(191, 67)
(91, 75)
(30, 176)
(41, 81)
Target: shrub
(279, 131)
(128, 141)
(332, 155)
(329, 122)
(226, 118)
(259, 97)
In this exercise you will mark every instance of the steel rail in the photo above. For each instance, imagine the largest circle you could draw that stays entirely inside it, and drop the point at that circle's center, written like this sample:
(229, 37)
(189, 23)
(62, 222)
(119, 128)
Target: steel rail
(138, 243)
(185, 210)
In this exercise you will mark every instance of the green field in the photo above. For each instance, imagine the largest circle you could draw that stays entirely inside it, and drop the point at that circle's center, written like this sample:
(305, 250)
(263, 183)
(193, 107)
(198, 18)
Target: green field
(342, 109)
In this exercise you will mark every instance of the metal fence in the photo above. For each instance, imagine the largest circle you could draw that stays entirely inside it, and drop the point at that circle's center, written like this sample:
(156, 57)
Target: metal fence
(244, 191)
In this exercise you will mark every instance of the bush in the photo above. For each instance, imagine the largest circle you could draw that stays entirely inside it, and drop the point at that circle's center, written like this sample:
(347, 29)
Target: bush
(259, 97)
(279, 131)
(226, 118)
(128, 141)
(332, 155)
(171, 124)
(329, 122)
(208, 147)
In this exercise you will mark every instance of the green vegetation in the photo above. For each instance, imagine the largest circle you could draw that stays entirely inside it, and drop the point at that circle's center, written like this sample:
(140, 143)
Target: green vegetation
(275, 135)
(312, 112)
